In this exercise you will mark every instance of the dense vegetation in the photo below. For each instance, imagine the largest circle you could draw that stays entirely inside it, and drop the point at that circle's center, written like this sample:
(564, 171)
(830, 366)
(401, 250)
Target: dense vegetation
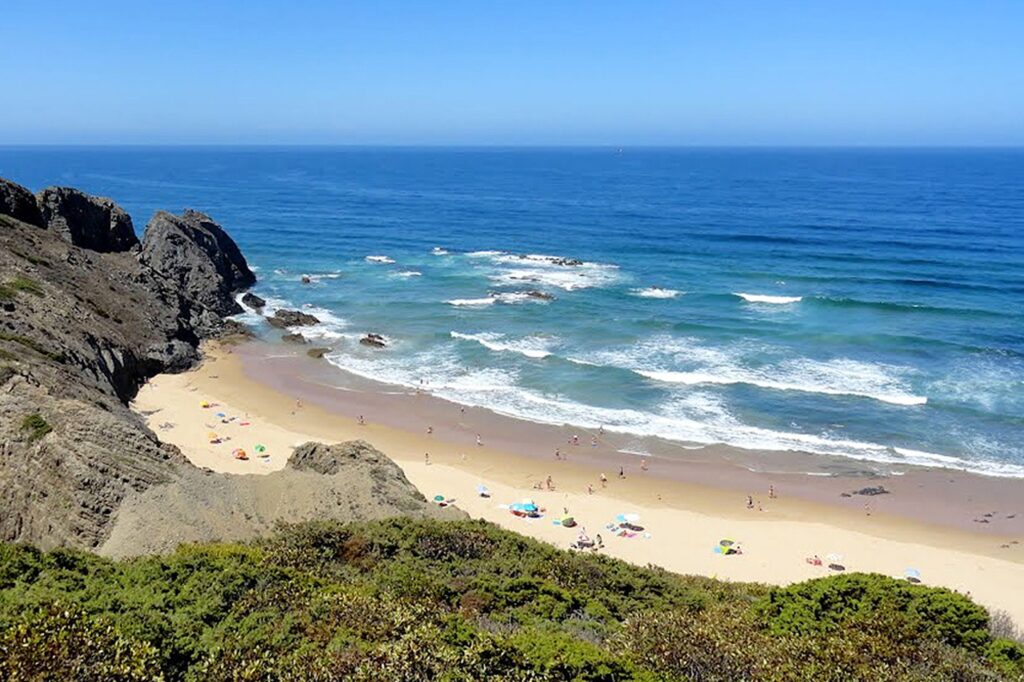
(419, 600)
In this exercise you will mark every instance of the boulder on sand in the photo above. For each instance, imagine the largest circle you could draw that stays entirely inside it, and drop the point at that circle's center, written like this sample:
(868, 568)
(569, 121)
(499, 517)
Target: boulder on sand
(317, 352)
(293, 338)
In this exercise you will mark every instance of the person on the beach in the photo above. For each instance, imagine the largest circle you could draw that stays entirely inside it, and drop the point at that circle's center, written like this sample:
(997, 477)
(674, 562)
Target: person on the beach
(590, 489)
(362, 422)
(604, 481)
(643, 465)
(600, 542)
(622, 472)
(771, 492)
(558, 454)
(575, 439)
(593, 441)
(750, 501)
(426, 458)
(549, 483)
(430, 430)
(479, 440)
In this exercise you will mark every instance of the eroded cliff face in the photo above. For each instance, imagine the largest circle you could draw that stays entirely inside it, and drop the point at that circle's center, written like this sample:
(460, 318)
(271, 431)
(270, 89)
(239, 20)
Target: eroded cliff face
(85, 318)
(87, 314)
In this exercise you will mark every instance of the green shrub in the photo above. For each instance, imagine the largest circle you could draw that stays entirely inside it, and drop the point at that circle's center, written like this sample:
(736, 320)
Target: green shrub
(827, 605)
(400, 599)
(61, 643)
(36, 426)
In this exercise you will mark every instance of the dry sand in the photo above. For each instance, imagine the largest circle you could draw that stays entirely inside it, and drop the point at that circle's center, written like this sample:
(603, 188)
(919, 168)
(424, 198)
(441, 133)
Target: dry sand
(684, 521)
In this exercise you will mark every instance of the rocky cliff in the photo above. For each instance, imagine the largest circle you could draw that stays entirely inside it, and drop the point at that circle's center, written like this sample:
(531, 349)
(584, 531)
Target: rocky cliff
(87, 314)
(86, 319)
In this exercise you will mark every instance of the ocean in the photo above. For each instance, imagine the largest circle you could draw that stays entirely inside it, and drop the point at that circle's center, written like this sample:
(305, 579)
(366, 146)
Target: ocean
(864, 303)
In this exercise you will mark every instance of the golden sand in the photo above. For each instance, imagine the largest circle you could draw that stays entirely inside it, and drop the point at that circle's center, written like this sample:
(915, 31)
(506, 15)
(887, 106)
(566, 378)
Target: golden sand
(682, 522)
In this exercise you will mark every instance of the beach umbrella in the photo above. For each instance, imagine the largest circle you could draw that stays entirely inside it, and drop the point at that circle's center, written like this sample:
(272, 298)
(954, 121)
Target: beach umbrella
(726, 543)
(439, 498)
(211, 435)
(529, 507)
(627, 518)
(259, 448)
(204, 404)
(221, 414)
(482, 490)
(912, 575)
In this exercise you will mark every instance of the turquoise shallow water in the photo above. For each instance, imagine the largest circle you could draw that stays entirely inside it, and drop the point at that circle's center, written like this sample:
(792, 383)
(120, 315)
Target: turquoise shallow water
(867, 303)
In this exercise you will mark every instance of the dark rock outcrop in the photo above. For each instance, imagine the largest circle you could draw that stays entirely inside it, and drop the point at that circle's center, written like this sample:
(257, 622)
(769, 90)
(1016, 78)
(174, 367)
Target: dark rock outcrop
(85, 328)
(317, 353)
(293, 338)
(283, 319)
(253, 301)
(374, 341)
(93, 223)
(199, 258)
(19, 203)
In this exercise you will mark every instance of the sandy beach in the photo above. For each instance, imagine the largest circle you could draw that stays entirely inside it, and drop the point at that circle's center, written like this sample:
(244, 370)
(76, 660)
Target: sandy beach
(959, 531)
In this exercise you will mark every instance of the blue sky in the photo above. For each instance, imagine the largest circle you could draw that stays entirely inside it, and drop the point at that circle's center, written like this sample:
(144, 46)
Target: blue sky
(523, 72)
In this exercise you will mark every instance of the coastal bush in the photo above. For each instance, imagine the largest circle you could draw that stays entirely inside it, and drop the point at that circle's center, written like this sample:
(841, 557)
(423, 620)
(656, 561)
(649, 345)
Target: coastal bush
(401, 599)
(848, 601)
(36, 426)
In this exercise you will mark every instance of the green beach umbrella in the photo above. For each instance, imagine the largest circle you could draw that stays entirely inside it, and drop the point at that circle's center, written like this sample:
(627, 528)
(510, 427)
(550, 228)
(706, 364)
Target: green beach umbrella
(259, 448)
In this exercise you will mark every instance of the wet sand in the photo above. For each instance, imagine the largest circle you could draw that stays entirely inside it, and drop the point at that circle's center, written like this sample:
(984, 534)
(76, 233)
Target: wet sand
(960, 530)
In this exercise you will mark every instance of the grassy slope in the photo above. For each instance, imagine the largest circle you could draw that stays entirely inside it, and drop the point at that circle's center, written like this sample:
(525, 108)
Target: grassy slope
(408, 600)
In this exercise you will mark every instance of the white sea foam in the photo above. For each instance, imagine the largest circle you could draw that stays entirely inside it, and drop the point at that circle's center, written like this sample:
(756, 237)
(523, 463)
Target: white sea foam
(379, 259)
(765, 298)
(655, 292)
(692, 417)
(531, 346)
(687, 361)
(438, 251)
(506, 269)
(472, 302)
(320, 276)
(506, 297)
(405, 274)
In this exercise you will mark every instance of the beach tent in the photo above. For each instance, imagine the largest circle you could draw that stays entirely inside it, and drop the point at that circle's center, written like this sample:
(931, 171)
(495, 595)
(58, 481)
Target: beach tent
(568, 521)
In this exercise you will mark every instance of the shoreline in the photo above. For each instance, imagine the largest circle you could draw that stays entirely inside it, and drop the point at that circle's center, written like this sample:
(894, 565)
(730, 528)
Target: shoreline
(686, 506)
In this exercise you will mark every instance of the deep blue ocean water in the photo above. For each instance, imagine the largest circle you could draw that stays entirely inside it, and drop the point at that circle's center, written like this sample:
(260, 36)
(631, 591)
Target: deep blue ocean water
(867, 303)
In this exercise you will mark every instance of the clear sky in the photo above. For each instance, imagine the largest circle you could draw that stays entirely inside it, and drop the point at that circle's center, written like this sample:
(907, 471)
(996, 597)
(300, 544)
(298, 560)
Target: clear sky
(619, 72)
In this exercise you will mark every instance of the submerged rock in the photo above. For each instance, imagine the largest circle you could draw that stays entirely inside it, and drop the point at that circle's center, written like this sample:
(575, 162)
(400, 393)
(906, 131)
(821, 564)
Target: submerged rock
(374, 341)
(542, 295)
(317, 352)
(253, 301)
(282, 319)
(197, 255)
(94, 223)
(305, 279)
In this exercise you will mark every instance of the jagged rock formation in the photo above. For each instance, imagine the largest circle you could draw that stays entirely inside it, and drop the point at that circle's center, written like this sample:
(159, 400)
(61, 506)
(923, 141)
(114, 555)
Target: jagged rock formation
(18, 203)
(81, 329)
(195, 253)
(86, 316)
(346, 482)
(94, 223)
